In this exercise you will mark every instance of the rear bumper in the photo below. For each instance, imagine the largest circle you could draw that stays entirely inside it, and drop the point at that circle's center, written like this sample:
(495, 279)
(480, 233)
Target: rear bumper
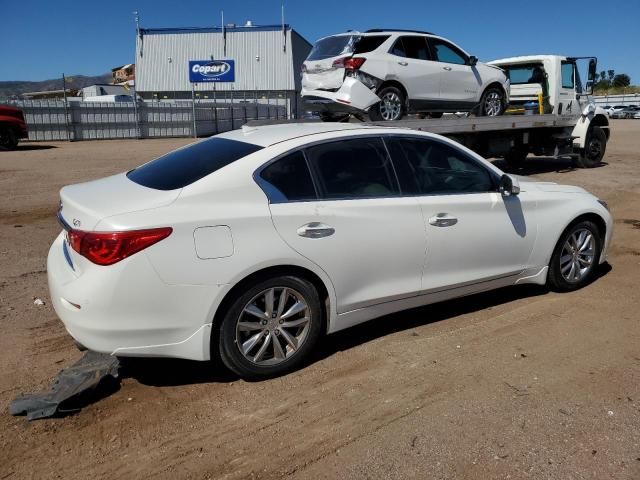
(352, 97)
(127, 310)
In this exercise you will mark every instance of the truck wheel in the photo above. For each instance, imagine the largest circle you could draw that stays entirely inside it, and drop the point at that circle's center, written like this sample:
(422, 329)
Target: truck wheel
(8, 138)
(492, 102)
(390, 107)
(594, 148)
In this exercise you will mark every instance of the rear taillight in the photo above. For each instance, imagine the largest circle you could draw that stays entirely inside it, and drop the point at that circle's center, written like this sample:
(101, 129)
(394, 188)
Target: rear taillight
(353, 63)
(107, 248)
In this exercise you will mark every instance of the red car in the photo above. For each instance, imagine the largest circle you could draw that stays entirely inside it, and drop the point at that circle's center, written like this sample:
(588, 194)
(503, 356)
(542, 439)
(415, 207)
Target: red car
(12, 127)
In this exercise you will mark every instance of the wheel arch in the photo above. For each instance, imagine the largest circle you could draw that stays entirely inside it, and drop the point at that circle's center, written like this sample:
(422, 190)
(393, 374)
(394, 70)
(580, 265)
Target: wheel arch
(590, 216)
(397, 84)
(270, 272)
(494, 84)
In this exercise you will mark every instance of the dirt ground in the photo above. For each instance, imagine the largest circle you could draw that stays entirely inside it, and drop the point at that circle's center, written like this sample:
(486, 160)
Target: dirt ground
(517, 383)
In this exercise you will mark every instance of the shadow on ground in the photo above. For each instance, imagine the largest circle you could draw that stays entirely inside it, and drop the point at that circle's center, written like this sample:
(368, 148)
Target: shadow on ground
(535, 165)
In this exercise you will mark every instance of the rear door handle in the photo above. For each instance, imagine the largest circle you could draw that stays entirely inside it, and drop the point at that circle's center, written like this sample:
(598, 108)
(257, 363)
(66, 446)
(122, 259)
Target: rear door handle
(404, 64)
(442, 220)
(448, 69)
(316, 230)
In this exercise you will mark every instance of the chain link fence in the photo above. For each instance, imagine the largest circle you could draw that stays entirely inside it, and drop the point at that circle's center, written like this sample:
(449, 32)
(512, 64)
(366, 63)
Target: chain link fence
(55, 119)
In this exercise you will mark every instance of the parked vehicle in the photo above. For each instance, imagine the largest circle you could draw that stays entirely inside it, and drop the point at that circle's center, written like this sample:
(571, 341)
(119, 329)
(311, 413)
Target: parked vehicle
(12, 127)
(110, 99)
(252, 244)
(388, 73)
(613, 111)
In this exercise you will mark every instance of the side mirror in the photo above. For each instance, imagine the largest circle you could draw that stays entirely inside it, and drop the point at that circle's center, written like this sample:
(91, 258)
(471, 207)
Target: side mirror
(509, 186)
(473, 61)
(593, 65)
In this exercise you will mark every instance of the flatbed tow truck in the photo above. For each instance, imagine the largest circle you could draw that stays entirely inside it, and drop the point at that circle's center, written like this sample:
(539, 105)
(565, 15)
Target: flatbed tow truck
(552, 115)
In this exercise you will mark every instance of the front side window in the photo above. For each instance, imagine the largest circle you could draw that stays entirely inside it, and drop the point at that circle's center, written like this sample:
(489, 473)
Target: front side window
(447, 53)
(567, 75)
(430, 167)
(288, 179)
(411, 47)
(354, 168)
(186, 165)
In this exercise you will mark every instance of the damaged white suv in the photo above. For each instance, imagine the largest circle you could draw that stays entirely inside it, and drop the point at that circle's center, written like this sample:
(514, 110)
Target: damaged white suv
(388, 73)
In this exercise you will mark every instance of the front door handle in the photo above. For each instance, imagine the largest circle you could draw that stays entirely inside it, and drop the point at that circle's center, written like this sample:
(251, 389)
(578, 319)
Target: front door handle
(448, 69)
(442, 220)
(316, 230)
(404, 64)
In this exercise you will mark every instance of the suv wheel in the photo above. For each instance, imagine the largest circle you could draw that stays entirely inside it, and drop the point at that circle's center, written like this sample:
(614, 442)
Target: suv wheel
(271, 328)
(391, 105)
(8, 138)
(492, 102)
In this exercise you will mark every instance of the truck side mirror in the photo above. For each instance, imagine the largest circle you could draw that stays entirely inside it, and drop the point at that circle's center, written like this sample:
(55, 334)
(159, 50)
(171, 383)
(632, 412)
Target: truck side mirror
(591, 76)
(509, 186)
(473, 61)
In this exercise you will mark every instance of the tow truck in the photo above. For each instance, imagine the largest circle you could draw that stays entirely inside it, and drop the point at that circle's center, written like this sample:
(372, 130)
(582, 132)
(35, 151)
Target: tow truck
(550, 114)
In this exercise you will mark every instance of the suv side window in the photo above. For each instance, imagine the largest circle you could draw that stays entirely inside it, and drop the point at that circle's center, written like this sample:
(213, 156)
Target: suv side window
(431, 167)
(411, 46)
(567, 75)
(288, 179)
(354, 168)
(369, 43)
(447, 53)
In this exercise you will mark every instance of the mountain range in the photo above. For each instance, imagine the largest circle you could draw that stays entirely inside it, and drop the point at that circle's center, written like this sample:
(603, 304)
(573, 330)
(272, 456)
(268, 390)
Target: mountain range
(13, 88)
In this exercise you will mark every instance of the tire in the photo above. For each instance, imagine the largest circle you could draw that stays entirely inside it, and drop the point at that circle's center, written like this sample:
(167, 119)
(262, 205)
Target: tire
(8, 138)
(260, 358)
(390, 108)
(562, 268)
(492, 103)
(594, 149)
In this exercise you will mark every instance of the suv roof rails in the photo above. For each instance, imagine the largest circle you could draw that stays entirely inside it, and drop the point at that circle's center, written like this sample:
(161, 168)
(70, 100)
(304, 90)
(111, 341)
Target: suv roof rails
(377, 30)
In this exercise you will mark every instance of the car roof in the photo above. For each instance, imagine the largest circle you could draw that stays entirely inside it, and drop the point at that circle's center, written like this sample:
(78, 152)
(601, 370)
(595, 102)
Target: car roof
(266, 135)
(525, 59)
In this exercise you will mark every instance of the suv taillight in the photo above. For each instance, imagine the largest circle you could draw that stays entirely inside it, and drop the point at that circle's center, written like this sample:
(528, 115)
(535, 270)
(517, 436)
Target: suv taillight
(353, 63)
(107, 248)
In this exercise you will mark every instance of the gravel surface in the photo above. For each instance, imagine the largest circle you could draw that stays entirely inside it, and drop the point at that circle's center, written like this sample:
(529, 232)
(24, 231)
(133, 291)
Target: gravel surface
(516, 383)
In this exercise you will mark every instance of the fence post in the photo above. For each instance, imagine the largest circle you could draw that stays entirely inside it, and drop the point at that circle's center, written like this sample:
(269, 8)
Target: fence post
(193, 110)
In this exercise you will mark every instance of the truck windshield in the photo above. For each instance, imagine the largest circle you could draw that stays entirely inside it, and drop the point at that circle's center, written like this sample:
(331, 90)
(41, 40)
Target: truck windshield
(333, 47)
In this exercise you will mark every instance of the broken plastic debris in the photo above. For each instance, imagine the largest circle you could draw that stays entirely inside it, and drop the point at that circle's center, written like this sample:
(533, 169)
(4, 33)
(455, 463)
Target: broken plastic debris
(83, 375)
(38, 301)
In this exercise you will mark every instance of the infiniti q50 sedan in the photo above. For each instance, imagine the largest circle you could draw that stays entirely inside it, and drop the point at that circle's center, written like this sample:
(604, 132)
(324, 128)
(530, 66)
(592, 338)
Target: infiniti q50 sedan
(252, 244)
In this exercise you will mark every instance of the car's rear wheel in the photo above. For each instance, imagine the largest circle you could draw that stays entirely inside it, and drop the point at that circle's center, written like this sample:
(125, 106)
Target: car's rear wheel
(594, 149)
(492, 102)
(575, 258)
(8, 138)
(271, 328)
(390, 107)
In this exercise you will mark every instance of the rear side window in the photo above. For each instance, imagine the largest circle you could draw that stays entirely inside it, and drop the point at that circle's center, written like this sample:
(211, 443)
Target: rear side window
(411, 47)
(332, 47)
(369, 43)
(288, 179)
(355, 168)
(186, 165)
(430, 167)
(447, 53)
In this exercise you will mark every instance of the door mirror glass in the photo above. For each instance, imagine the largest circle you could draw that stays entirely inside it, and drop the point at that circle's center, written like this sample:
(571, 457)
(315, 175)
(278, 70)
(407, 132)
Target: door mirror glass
(509, 186)
(473, 60)
(592, 69)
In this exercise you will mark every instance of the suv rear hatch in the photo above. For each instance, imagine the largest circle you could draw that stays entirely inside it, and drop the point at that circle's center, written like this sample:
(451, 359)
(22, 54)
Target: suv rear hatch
(324, 67)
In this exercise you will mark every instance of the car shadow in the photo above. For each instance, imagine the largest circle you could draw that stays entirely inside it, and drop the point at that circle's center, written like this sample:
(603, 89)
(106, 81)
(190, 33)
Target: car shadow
(535, 165)
(166, 372)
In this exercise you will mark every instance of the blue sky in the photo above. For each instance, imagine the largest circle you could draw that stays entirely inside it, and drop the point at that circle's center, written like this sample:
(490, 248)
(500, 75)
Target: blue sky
(42, 39)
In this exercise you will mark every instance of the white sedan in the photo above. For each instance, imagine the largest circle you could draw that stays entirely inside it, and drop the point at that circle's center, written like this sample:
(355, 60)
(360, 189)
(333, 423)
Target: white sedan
(252, 244)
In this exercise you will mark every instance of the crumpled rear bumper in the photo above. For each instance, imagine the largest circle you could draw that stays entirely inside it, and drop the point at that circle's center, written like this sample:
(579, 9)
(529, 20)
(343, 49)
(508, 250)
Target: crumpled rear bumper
(352, 96)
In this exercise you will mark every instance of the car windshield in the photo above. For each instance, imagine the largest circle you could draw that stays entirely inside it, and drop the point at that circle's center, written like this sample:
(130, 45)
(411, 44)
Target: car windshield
(191, 163)
(333, 47)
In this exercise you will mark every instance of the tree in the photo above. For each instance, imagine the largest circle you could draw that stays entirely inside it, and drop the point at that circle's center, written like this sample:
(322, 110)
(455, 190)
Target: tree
(604, 84)
(611, 73)
(603, 75)
(621, 80)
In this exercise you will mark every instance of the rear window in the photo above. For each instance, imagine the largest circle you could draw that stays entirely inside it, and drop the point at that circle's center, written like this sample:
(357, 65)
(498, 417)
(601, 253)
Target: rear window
(183, 167)
(332, 47)
(523, 74)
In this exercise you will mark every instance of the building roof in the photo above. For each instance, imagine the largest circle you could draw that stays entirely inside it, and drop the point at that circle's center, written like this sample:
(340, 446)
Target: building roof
(226, 28)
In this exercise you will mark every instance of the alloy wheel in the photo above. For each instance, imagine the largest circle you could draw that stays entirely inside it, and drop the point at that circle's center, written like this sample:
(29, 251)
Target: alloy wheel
(390, 106)
(492, 104)
(273, 325)
(576, 259)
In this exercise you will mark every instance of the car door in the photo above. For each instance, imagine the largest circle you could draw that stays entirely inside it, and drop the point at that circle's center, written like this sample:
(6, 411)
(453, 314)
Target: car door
(413, 66)
(473, 233)
(351, 222)
(459, 82)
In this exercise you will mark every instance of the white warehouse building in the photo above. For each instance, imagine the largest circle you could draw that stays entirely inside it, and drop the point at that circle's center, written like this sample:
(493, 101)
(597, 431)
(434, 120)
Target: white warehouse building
(230, 64)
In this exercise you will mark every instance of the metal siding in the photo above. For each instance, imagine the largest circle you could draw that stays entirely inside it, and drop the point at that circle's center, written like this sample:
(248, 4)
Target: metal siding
(274, 70)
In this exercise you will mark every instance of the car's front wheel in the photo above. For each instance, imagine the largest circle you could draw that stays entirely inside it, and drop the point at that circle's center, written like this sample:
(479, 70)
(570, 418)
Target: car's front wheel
(271, 328)
(492, 102)
(390, 107)
(575, 257)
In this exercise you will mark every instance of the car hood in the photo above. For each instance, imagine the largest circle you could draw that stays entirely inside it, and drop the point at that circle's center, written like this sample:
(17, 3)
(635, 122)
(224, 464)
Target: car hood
(527, 183)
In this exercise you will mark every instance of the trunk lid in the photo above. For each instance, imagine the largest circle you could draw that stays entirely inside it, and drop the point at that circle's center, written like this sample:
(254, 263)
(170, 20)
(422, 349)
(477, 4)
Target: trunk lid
(84, 205)
(323, 70)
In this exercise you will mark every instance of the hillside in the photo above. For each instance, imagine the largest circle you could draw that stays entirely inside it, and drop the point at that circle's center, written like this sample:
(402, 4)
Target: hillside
(16, 87)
